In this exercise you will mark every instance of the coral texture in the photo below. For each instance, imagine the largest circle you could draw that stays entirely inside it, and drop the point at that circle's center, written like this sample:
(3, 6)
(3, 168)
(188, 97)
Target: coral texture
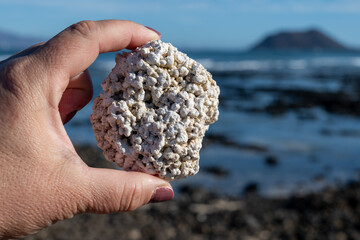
(156, 106)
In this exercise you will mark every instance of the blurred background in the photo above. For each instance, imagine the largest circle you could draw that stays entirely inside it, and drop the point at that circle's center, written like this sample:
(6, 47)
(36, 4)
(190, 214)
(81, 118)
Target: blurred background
(282, 162)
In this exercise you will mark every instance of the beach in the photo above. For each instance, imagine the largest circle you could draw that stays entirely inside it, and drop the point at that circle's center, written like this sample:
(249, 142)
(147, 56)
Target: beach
(297, 110)
(280, 163)
(198, 213)
(282, 160)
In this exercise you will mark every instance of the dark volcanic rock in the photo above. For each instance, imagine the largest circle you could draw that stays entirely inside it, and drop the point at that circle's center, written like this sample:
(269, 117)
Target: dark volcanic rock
(271, 161)
(251, 188)
(308, 40)
(223, 140)
(197, 213)
(217, 171)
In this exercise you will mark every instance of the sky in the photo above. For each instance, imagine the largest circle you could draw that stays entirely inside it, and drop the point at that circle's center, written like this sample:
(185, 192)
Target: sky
(197, 24)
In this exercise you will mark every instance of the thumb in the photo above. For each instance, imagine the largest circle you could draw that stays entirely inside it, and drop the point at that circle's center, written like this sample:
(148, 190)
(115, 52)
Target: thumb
(114, 190)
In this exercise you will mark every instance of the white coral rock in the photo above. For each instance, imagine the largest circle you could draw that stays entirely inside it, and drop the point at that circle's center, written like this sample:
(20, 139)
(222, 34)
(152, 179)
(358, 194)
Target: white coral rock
(156, 106)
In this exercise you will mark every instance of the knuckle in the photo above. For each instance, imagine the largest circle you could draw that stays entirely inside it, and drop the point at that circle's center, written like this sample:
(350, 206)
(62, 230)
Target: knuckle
(84, 28)
(13, 68)
(13, 72)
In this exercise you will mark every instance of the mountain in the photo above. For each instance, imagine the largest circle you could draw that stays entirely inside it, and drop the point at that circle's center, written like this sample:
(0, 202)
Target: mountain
(14, 42)
(311, 40)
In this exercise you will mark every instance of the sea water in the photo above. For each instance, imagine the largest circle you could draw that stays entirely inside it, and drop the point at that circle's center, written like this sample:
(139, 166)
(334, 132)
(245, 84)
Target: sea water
(312, 146)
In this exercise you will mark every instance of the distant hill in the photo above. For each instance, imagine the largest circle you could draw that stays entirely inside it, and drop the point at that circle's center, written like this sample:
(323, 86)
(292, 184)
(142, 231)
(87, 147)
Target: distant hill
(311, 40)
(14, 42)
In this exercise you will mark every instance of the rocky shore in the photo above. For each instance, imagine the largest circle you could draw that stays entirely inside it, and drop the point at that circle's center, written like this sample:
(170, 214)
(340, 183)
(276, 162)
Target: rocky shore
(196, 213)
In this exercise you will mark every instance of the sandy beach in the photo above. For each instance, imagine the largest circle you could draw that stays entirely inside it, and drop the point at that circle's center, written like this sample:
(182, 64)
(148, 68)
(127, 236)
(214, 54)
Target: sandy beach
(197, 213)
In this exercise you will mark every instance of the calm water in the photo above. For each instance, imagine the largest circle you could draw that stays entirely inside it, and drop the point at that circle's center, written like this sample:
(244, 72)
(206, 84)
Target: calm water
(312, 146)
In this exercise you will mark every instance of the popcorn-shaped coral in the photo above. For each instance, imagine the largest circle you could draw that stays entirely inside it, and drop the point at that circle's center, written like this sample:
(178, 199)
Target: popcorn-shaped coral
(155, 109)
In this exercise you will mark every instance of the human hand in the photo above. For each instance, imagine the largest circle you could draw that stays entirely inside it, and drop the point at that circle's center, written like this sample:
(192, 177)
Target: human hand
(42, 178)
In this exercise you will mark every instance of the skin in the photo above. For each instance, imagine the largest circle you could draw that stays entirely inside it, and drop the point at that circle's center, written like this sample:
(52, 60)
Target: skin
(42, 178)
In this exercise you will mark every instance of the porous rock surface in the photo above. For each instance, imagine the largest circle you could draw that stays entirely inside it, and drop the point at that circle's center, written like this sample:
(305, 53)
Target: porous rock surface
(156, 106)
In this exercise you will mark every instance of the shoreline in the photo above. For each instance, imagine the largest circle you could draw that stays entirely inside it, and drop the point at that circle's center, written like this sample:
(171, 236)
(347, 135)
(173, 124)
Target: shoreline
(198, 213)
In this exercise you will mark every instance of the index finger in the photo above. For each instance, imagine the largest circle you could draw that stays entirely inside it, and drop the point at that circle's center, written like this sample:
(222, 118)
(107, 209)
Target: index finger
(76, 48)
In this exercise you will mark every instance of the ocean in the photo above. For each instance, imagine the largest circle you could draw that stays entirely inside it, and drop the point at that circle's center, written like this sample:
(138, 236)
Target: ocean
(289, 122)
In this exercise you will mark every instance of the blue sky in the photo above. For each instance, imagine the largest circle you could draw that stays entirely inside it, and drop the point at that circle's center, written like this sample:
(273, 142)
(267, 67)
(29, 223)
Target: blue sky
(227, 24)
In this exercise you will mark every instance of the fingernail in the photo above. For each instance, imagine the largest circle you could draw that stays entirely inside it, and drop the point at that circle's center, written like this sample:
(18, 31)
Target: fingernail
(70, 116)
(162, 194)
(154, 31)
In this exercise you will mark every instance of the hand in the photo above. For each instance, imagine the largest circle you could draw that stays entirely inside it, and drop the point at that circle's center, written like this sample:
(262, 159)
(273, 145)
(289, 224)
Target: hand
(42, 179)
